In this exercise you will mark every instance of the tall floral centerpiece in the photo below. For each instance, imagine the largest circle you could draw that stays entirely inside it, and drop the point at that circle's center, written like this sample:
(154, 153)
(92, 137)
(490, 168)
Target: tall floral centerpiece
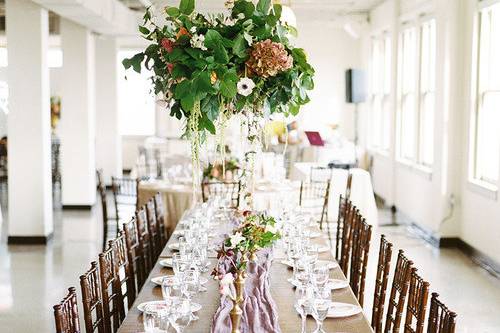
(256, 232)
(210, 67)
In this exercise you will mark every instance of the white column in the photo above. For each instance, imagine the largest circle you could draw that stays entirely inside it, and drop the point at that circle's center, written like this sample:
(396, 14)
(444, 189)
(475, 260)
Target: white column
(108, 139)
(30, 185)
(77, 125)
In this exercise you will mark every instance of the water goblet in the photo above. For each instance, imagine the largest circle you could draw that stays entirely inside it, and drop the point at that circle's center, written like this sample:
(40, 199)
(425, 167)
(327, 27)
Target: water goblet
(320, 275)
(320, 309)
(301, 305)
(181, 315)
(171, 286)
(155, 319)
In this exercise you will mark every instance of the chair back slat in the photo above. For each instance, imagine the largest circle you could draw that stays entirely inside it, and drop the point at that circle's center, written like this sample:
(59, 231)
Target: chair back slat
(381, 281)
(346, 238)
(144, 240)
(160, 217)
(359, 257)
(441, 319)
(125, 193)
(66, 315)
(124, 272)
(314, 196)
(153, 228)
(417, 303)
(92, 300)
(399, 290)
(112, 298)
(134, 253)
(227, 190)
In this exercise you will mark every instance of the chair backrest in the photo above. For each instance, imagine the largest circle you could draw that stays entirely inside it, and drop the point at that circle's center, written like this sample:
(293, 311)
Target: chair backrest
(382, 278)
(125, 192)
(362, 233)
(134, 253)
(346, 238)
(112, 298)
(441, 319)
(104, 209)
(92, 300)
(153, 228)
(321, 174)
(144, 240)
(348, 186)
(417, 303)
(160, 217)
(66, 314)
(400, 283)
(315, 196)
(344, 205)
(226, 190)
(125, 271)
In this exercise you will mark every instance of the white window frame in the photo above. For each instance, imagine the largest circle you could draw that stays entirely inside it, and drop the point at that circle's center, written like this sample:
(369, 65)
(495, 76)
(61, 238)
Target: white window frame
(415, 159)
(488, 187)
(381, 95)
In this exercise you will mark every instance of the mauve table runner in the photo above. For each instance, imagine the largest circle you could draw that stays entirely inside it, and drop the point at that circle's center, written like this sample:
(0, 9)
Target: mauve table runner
(260, 313)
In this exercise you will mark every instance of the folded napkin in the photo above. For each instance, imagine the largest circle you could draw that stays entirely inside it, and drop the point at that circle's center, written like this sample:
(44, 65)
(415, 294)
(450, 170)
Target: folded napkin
(260, 313)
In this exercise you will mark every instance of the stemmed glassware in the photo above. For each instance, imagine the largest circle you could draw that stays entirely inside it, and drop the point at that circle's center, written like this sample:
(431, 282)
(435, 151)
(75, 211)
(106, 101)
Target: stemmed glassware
(155, 318)
(191, 286)
(320, 308)
(302, 304)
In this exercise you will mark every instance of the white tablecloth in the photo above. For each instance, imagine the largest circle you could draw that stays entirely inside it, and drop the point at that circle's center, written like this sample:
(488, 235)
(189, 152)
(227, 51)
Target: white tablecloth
(361, 189)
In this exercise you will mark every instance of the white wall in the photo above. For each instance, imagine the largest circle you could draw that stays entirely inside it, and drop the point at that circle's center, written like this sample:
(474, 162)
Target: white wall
(474, 218)
(331, 51)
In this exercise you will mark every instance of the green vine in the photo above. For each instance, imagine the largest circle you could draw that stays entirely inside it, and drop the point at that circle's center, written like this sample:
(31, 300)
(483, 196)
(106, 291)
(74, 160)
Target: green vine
(193, 123)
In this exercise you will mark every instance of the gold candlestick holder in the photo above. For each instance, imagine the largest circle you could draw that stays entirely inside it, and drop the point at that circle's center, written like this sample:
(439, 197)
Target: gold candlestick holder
(236, 313)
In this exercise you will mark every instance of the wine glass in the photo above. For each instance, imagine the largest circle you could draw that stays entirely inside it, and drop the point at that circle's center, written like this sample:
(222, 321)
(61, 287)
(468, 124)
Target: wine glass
(181, 315)
(191, 286)
(155, 318)
(302, 304)
(320, 275)
(171, 286)
(301, 272)
(180, 263)
(320, 309)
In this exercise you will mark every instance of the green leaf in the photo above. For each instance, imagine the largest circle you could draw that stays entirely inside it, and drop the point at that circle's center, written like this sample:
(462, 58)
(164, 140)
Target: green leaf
(187, 102)
(201, 85)
(179, 71)
(143, 30)
(173, 12)
(228, 85)
(264, 6)
(240, 47)
(213, 39)
(210, 106)
(278, 9)
(221, 56)
(294, 109)
(186, 6)
(182, 90)
(207, 124)
(245, 7)
(134, 62)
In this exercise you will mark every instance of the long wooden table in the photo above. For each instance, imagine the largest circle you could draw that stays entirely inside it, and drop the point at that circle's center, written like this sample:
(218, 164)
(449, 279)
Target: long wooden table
(281, 290)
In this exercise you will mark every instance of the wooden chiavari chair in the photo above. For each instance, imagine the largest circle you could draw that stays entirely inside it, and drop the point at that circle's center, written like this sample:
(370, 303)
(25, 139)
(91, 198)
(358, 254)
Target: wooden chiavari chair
(346, 238)
(417, 303)
(125, 194)
(106, 219)
(400, 283)
(112, 298)
(153, 229)
(134, 253)
(124, 270)
(383, 267)
(314, 196)
(66, 314)
(344, 205)
(144, 240)
(320, 174)
(160, 217)
(362, 233)
(441, 319)
(92, 300)
(226, 190)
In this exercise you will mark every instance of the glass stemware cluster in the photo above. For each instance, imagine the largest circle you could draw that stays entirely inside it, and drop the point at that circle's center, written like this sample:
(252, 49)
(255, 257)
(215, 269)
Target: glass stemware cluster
(310, 276)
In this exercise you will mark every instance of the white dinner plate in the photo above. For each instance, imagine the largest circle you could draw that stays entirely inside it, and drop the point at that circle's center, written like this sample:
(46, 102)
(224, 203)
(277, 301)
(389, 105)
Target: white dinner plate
(173, 246)
(331, 264)
(194, 306)
(342, 310)
(158, 280)
(334, 284)
(166, 262)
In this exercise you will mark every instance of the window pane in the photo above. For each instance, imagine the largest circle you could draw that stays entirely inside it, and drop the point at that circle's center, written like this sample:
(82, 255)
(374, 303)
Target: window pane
(386, 123)
(135, 101)
(427, 129)
(488, 138)
(376, 120)
(387, 65)
(408, 127)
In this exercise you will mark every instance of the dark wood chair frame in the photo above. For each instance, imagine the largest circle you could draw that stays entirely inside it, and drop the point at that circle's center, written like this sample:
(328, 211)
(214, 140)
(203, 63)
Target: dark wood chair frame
(399, 290)
(416, 308)
(233, 189)
(145, 240)
(160, 217)
(134, 253)
(124, 187)
(381, 281)
(92, 300)
(154, 229)
(127, 278)
(362, 233)
(441, 319)
(66, 315)
(316, 190)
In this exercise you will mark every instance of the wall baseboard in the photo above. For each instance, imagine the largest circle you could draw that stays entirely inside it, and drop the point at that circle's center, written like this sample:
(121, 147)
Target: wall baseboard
(77, 207)
(29, 240)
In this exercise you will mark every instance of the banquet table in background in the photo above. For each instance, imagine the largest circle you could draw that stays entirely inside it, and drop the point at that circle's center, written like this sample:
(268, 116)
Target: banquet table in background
(178, 197)
(281, 291)
(361, 189)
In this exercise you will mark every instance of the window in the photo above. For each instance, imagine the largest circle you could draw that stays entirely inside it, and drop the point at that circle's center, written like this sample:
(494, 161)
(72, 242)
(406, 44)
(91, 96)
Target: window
(380, 90)
(407, 90)
(136, 103)
(487, 115)
(427, 92)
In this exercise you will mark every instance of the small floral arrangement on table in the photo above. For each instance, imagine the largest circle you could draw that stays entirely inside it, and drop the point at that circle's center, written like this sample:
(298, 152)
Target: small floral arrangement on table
(209, 67)
(221, 171)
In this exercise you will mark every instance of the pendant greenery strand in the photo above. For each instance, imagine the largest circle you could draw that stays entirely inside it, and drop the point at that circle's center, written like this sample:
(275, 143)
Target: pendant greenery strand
(194, 119)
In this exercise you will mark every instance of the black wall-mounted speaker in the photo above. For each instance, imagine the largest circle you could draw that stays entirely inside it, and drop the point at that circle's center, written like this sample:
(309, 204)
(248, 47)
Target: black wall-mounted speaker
(355, 86)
